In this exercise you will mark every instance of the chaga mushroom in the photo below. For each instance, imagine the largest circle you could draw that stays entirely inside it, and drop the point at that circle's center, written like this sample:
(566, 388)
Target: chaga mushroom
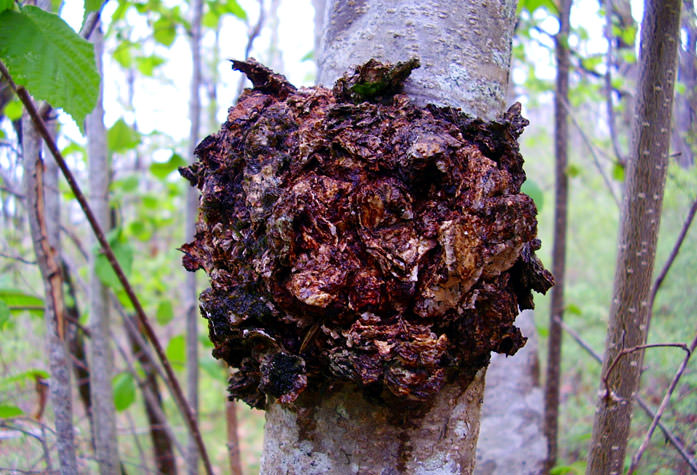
(351, 236)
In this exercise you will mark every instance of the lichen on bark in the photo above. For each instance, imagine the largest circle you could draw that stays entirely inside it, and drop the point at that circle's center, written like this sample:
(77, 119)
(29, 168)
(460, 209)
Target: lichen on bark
(351, 236)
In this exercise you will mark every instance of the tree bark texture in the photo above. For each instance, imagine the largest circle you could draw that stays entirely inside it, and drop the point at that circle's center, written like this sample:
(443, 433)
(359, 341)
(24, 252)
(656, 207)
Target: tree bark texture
(464, 65)
(101, 357)
(561, 187)
(47, 257)
(641, 213)
(464, 47)
(190, 291)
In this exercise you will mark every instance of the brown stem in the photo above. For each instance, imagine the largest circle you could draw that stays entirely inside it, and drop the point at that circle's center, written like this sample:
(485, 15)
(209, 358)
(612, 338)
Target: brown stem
(626, 351)
(663, 406)
(643, 404)
(109, 253)
(674, 253)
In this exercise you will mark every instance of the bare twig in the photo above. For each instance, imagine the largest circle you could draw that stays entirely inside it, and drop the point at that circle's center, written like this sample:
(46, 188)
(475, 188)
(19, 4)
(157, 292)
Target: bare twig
(663, 406)
(591, 148)
(253, 33)
(674, 441)
(674, 253)
(17, 258)
(627, 351)
(109, 253)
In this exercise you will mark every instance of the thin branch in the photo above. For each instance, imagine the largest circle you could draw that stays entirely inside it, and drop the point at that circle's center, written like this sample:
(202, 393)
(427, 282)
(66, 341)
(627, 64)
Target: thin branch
(109, 253)
(674, 441)
(627, 351)
(253, 33)
(662, 408)
(674, 253)
(18, 258)
(591, 148)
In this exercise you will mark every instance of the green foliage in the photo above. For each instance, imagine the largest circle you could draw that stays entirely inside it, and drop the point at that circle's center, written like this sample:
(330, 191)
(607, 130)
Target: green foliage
(6, 5)
(24, 377)
(18, 301)
(211, 367)
(618, 171)
(576, 468)
(147, 64)
(215, 10)
(124, 254)
(533, 5)
(165, 312)
(47, 57)
(162, 170)
(124, 388)
(121, 137)
(9, 412)
(4, 314)
(13, 109)
(176, 351)
(533, 190)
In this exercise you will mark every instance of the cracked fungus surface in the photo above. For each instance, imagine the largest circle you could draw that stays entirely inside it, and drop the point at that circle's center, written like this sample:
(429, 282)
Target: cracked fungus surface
(351, 236)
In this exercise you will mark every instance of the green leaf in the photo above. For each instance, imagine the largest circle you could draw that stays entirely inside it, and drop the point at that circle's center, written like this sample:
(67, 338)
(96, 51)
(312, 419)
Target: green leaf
(165, 312)
(164, 31)
(122, 54)
(176, 350)
(18, 301)
(124, 254)
(205, 341)
(121, 137)
(532, 5)
(162, 170)
(124, 387)
(211, 367)
(8, 412)
(4, 314)
(618, 171)
(533, 190)
(234, 8)
(52, 61)
(573, 309)
(147, 64)
(13, 109)
(573, 170)
(6, 5)
(92, 5)
(210, 19)
(308, 56)
(22, 377)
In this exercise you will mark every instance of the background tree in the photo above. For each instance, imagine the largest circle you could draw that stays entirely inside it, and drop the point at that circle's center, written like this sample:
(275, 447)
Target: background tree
(561, 189)
(641, 215)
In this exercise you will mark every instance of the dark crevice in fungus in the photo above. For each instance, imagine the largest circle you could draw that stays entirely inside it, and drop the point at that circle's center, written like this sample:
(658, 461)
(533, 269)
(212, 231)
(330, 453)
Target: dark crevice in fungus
(353, 237)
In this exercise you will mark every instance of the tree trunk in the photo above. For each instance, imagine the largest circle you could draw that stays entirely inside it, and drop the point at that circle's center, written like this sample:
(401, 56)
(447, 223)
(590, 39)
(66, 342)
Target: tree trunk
(191, 294)
(686, 102)
(163, 451)
(103, 412)
(47, 257)
(466, 67)
(641, 213)
(561, 133)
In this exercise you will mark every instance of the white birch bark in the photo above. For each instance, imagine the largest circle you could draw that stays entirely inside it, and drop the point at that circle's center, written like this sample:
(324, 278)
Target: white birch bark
(100, 354)
(190, 293)
(464, 48)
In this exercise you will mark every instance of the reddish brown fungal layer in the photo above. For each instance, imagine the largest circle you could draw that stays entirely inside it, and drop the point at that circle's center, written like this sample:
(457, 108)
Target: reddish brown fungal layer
(373, 242)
